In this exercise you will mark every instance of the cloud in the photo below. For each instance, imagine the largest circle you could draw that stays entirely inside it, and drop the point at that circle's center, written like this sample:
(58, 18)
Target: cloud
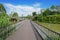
(21, 9)
(36, 5)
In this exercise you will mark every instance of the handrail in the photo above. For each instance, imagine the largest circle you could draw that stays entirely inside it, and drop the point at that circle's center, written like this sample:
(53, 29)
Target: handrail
(41, 32)
(51, 30)
(50, 34)
(6, 31)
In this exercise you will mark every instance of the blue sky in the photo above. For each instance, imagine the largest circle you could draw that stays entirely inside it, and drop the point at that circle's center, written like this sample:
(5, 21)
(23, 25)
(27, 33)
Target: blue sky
(26, 4)
(44, 3)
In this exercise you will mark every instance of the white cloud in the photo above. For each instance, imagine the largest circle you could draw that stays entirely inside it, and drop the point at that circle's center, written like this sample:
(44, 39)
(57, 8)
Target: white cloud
(21, 9)
(37, 4)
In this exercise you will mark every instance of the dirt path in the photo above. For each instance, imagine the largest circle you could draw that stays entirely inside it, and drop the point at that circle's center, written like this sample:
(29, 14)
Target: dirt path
(24, 33)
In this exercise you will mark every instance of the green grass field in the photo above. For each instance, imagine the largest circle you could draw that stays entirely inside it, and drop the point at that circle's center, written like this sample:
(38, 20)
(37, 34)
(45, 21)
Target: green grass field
(54, 27)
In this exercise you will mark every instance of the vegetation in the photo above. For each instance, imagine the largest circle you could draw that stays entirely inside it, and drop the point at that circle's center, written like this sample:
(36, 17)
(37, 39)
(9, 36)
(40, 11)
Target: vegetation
(15, 14)
(2, 9)
(5, 23)
(28, 17)
(50, 16)
(34, 13)
(34, 16)
(54, 27)
(4, 19)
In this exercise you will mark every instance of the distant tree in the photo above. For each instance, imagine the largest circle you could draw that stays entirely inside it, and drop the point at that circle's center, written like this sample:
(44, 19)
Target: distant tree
(58, 8)
(29, 16)
(15, 14)
(46, 12)
(34, 13)
(34, 16)
(53, 7)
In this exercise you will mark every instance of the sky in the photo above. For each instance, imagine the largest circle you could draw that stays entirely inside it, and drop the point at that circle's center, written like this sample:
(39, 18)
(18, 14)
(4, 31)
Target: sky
(26, 7)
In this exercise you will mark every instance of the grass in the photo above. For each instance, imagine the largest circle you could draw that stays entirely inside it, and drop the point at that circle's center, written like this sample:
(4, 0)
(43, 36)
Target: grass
(54, 27)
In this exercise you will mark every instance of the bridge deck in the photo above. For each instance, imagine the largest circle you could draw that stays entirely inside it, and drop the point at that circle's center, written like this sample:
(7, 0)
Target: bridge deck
(26, 32)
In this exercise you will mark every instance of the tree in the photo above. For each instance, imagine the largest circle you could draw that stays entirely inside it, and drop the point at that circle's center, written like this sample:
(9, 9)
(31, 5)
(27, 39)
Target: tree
(34, 13)
(58, 8)
(53, 7)
(2, 9)
(34, 16)
(29, 16)
(46, 12)
(15, 14)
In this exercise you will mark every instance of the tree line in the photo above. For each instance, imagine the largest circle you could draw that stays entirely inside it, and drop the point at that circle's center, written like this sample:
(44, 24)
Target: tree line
(49, 15)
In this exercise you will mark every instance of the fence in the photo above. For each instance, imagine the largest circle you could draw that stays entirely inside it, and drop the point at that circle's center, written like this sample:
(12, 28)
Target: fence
(46, 33)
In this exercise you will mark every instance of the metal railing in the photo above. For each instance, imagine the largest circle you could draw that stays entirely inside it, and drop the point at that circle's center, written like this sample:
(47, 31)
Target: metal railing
(5, 32)
(46, 34)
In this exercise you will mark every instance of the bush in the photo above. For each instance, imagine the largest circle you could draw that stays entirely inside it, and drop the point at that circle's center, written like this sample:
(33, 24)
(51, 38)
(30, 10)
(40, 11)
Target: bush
(50, 19)
(4, 20)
